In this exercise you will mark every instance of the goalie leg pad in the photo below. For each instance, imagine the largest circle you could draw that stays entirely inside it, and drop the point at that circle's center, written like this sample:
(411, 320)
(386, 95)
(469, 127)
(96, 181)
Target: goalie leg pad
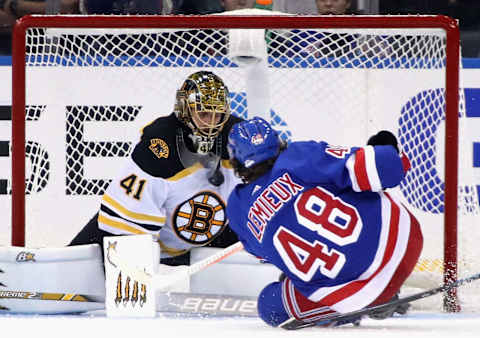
(31, 277)
(225, 277)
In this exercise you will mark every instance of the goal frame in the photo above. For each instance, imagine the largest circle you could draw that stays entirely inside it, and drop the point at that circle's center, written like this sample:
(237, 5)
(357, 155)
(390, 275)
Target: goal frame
(449, 25)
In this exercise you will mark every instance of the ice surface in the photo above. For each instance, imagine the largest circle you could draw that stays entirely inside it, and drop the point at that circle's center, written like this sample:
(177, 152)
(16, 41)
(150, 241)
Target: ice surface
(95, 324)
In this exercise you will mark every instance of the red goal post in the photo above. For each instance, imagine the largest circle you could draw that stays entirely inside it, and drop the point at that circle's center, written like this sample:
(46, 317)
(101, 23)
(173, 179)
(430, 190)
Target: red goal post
(28, 56)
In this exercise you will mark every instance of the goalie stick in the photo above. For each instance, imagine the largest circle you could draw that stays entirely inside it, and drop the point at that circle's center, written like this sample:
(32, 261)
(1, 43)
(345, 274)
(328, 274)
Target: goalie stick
(19, 301)
(208, 304)
(34, 295)
(332, 320)
(172, 302)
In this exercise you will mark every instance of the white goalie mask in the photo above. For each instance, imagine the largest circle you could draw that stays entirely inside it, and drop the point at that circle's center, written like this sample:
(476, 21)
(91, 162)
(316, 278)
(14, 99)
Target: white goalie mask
(203, 105)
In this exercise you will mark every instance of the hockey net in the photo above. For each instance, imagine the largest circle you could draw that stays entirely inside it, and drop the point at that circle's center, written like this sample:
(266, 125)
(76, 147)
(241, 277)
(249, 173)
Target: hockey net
(89, 84)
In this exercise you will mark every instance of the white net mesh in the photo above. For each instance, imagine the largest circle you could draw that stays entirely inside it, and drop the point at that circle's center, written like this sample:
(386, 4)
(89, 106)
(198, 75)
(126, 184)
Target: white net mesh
(339, 85)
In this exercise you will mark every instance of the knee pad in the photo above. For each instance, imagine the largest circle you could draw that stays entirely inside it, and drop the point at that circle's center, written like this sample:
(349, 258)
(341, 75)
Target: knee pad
(270, 305)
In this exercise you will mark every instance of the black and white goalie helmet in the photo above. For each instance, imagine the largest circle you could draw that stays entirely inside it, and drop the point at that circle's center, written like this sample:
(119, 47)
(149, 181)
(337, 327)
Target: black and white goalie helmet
(203, 105)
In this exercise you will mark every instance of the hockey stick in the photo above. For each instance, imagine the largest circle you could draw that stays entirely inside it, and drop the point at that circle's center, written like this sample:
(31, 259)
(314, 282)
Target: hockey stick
(173, 302)
(215, 258)
(332, 320)
(48, 296)
(163, 281)
(207, 304)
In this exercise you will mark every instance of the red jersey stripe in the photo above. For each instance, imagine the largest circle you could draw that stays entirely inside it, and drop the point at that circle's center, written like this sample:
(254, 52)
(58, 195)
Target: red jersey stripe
(360, 169)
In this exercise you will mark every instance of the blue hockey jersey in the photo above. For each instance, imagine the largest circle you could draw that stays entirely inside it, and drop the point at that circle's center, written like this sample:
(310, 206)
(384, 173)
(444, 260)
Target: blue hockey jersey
(322, 217)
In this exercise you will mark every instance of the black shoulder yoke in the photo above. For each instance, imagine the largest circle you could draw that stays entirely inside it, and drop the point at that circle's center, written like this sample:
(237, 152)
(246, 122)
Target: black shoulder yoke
(156, 153)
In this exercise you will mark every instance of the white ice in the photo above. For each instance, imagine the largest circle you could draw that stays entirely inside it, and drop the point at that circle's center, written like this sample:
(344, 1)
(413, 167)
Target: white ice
(95, 324)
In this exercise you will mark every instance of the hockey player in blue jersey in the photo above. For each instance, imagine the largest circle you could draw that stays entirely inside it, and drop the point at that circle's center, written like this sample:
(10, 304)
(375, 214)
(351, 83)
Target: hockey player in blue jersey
(320, 213)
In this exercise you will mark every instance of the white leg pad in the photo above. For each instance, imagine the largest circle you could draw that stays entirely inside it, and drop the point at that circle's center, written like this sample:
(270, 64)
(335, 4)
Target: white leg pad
(241, 274)
(26, 272)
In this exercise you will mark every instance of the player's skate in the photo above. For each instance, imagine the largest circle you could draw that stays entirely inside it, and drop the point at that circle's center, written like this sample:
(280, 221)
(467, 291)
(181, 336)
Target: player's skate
(295, 324)
(354, 321)
(390, 311)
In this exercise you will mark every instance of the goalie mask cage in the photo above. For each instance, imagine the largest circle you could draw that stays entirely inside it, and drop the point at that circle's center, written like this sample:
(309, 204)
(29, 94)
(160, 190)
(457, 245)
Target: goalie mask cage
(84, 86)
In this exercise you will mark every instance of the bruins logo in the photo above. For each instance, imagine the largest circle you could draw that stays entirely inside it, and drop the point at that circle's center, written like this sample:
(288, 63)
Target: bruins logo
(200, 219)
(130, 292)
(159, 147)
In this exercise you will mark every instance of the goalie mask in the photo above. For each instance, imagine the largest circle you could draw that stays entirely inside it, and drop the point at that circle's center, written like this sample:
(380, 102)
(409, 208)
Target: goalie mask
(202, 104)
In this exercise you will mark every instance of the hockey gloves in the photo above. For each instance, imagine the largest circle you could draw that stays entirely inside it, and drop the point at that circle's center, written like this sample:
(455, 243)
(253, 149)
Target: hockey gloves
(383, 138)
